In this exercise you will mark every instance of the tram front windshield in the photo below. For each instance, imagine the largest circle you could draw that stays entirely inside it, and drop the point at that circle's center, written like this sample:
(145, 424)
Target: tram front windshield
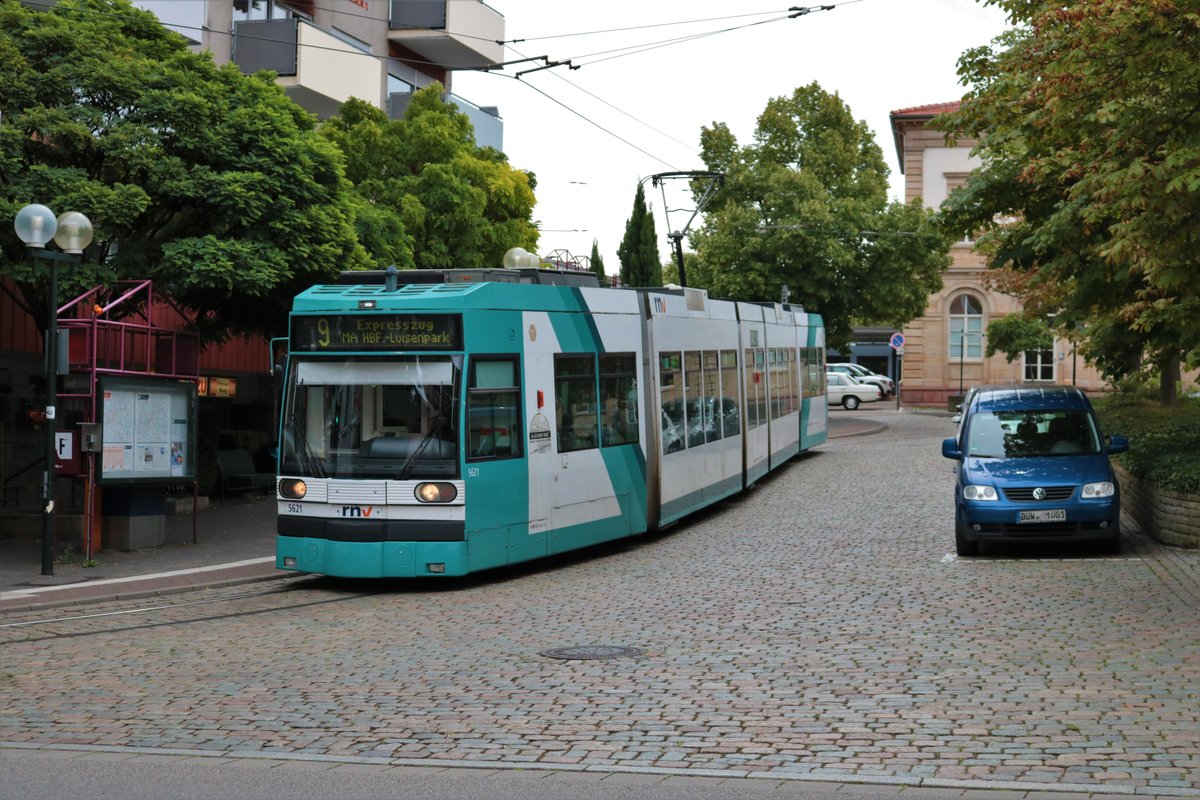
(395, 419)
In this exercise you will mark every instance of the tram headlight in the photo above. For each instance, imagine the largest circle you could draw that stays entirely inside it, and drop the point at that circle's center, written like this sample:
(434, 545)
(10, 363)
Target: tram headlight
(293, 489)
(436, 492)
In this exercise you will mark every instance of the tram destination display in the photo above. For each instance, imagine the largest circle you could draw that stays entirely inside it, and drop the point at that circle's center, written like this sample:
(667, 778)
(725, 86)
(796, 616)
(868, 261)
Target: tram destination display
(376, 331)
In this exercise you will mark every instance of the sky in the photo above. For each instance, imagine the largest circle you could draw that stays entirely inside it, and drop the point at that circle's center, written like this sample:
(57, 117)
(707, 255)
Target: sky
(636, 105)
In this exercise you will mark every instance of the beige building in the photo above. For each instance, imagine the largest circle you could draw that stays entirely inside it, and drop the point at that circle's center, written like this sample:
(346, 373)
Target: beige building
(944, 350)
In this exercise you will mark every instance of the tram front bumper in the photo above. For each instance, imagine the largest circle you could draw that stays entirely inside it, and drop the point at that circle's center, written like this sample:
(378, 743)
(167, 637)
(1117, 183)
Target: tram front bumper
(370, 559)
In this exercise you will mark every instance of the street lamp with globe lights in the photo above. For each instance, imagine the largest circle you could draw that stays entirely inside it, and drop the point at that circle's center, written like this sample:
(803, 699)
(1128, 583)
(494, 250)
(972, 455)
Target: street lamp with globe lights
(36, 225)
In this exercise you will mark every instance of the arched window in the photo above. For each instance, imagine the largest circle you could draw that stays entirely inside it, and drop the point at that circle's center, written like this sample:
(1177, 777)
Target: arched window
(966, 328)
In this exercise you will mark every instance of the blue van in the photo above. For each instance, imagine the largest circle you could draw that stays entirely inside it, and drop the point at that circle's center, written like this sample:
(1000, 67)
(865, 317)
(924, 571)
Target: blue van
(1033, 466)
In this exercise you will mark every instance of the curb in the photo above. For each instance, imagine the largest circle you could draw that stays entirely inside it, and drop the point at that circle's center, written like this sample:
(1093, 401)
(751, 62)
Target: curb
(915, 782)
(139, 586)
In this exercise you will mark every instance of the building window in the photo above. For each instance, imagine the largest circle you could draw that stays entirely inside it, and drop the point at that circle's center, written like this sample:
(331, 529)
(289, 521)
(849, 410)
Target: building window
(244, 10)
(966, 328)
(954, 182)
(1039, 366)
(397, 85)
(353, 41)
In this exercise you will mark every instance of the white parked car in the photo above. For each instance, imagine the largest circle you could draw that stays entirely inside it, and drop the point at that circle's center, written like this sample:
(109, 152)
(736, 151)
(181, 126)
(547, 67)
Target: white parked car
(846, 391)
(886, 386)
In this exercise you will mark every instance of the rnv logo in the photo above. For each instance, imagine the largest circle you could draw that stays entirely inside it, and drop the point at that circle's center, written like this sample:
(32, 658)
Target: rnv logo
(357, 511)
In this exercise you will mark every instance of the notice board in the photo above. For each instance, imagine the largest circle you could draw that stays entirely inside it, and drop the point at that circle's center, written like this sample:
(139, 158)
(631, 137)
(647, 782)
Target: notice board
(148, 430)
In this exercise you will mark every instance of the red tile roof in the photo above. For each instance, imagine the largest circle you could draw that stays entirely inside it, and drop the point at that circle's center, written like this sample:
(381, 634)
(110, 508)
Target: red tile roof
(928, 110)
(916, 113)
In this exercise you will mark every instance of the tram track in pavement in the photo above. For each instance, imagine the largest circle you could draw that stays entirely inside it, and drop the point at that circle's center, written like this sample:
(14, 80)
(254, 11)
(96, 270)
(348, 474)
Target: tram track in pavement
(115, 621)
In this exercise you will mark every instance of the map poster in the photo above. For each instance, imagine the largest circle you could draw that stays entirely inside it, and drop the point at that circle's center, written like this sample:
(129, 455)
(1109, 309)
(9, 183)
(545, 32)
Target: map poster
(148, 430)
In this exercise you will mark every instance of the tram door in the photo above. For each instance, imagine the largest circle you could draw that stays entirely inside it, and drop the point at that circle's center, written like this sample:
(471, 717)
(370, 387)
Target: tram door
(755, 377)
(572, 496)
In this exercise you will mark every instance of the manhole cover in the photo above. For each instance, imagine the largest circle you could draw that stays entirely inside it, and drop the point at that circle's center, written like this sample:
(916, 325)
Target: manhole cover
(592, 652)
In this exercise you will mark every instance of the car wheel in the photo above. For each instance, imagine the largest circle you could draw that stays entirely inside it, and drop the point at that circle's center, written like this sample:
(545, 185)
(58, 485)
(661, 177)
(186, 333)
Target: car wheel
(964, 546)
(850, 402)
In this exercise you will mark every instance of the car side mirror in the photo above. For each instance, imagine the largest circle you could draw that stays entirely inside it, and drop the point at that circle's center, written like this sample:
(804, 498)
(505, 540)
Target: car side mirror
(950, 449)
(1118, 444)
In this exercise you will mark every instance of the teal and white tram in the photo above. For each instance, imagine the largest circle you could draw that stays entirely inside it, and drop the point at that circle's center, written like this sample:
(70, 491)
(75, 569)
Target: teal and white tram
(441, 423)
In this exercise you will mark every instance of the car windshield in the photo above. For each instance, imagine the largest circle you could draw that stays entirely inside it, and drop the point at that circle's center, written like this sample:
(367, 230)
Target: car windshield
(362, 418)
(1017, 434)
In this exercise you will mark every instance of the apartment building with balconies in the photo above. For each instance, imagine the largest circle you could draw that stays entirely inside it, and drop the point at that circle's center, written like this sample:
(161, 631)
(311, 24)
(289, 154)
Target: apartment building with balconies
(326, 52)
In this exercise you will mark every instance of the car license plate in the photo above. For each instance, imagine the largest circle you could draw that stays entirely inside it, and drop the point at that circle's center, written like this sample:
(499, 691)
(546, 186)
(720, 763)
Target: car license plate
(1048, 515)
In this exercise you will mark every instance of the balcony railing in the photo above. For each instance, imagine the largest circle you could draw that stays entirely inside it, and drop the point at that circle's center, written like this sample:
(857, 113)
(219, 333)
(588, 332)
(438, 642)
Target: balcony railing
(318, 71)
(454, 34)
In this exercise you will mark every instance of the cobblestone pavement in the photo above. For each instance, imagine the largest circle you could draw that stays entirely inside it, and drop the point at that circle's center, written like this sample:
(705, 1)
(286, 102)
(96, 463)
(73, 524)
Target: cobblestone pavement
(819, 627)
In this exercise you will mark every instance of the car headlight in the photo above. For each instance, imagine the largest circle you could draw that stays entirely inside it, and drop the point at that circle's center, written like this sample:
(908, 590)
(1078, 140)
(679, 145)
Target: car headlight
(973, 492)
(1101, 489)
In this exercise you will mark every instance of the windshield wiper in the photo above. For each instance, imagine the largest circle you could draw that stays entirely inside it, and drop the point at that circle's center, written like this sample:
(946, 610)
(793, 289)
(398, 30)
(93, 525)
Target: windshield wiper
(434, 429)
(309, 461)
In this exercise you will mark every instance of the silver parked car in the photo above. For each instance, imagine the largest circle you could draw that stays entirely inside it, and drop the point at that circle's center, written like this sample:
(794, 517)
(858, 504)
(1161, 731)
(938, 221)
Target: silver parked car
(886, 386)
(848, 392)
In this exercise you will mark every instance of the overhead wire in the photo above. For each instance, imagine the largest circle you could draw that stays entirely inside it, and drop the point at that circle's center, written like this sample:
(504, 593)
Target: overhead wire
(635, 27)
(611, 54)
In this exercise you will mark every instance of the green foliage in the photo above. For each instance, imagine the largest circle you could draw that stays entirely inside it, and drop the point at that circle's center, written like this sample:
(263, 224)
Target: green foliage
(638, 253)
(1015, 334)
(435, 199)
(806, 206)
(211, 183)
(1164, 443)
(1087, 200)
(597, 262)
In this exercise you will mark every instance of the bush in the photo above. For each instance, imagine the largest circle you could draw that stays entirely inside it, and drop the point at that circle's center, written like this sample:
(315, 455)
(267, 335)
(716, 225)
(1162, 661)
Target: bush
(1164, 443)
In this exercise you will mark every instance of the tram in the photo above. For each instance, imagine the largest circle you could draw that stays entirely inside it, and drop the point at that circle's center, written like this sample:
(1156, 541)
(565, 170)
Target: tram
(446, 422)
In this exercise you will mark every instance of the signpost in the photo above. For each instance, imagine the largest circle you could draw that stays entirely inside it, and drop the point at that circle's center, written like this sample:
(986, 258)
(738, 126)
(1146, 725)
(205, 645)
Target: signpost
(897, 343)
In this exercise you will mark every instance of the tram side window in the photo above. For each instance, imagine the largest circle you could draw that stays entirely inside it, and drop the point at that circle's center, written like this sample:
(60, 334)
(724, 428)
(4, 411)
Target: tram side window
(756, 397)
(732, 422)
(575, 401)
(618, 398)
(713, 429)
(670, 388)
(693, 390)
(777, 372)
(793, 382)
(493, 409)
(812, 376)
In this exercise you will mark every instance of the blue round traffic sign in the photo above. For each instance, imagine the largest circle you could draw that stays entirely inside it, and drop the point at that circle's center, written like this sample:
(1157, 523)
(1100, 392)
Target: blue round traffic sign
(897, 340)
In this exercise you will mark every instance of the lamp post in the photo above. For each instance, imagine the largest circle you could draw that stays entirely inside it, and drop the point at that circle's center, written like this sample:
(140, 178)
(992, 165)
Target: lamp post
(962, 351)
(36, 225)
(1050, 317)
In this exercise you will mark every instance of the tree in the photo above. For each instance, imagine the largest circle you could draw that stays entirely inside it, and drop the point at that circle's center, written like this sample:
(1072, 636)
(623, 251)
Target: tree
(638, 253)
(598, 263)
(211, 183)
(446, 202)
(1086, 120)
(1016, 334)
(805, 206)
